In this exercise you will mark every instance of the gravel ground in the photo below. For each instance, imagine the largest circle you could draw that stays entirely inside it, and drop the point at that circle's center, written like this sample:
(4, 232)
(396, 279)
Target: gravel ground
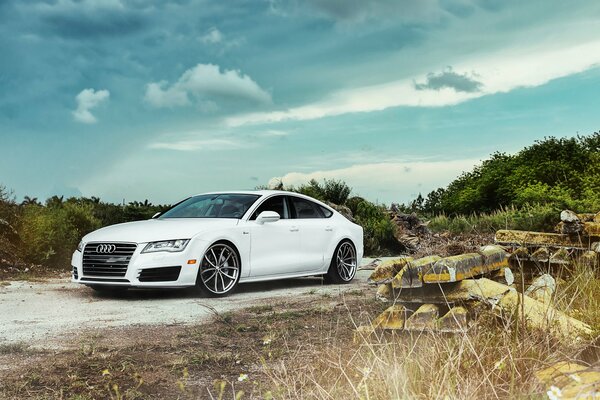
(44, 313)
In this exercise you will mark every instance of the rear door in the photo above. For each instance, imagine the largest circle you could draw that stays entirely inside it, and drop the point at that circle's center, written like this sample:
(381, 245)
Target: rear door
(316, 232)
(275, 246)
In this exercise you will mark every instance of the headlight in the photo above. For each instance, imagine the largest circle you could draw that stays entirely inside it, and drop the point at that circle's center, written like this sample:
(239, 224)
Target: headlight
(80, 246)
(171, 246)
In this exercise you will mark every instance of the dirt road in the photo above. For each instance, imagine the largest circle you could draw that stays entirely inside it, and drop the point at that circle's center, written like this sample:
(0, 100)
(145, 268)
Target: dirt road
(45, 313)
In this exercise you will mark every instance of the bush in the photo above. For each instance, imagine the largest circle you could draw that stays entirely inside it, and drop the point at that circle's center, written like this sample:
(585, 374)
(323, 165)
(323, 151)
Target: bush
(8, 218)
(563, 172)
(49, 235)
(378, 228)
(331, 190)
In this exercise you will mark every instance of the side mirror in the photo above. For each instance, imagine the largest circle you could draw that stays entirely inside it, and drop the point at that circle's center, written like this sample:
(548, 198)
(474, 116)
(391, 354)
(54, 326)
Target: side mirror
(267, 216)
(156, 215)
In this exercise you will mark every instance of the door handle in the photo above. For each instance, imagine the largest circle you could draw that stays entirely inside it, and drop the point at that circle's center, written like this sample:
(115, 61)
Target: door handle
(294, 229)
(328, 229)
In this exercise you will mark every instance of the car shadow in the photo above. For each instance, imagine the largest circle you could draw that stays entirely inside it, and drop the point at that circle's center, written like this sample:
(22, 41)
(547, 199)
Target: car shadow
(134, 294)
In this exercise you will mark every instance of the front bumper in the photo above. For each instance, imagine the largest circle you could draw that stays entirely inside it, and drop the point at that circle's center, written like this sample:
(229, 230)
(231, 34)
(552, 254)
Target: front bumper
(150, 270)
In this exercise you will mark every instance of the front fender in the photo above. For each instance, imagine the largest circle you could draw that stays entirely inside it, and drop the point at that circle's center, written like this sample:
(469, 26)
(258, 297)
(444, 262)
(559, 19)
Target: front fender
(201, 243)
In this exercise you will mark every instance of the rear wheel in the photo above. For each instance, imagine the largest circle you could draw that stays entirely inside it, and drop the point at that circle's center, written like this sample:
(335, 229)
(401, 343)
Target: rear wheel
(219, 270)
(343, 264)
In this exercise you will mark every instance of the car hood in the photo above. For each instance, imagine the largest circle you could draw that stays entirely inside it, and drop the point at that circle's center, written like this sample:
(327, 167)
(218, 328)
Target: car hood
(158, 229)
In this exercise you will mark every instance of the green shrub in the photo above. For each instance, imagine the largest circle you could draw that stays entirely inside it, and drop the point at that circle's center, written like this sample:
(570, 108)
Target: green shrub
(331, 190)
(378, 228)
(564, 172)
(49, 235)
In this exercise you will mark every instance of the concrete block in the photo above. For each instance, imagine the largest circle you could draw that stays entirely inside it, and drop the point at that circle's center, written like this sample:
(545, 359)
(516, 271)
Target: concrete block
(590, 259)
(536, 239)
(561, 256)
(385, 272)
(569, 380)
(392, 318)
(412, 275)
(542, 288)
(592, 228)
(455, 268)
(455, 320)
(424, 318)
(541, 255)
(385, 293)
(506, 300)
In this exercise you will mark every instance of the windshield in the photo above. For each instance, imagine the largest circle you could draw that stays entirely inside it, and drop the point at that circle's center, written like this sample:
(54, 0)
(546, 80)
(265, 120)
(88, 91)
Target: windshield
(212, 206)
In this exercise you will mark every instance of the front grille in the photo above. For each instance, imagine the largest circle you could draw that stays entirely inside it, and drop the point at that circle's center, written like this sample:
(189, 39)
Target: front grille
(103, 280)
(75, 274)
(163, 274)
(102, 264)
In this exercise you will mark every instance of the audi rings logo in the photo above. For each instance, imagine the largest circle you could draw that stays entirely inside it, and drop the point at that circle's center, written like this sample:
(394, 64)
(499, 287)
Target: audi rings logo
(106, 248)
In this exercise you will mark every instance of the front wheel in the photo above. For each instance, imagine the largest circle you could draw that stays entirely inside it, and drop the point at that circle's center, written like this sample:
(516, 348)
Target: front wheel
(219, 270)
(343, 264)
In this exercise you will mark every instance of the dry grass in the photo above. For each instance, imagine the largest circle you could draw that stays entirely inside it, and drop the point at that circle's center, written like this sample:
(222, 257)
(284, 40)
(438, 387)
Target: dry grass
(493, 359)
(305, 350)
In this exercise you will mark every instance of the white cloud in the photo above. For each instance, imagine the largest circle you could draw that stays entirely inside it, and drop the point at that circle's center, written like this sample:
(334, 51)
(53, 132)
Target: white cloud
(394, 181)
(88, 99)
(198, 145)
(273, 133)
(502, 71)
(205, 81)
(213, 36)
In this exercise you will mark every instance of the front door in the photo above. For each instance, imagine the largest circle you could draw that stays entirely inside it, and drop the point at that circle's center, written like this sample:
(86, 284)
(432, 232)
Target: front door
(274, 246)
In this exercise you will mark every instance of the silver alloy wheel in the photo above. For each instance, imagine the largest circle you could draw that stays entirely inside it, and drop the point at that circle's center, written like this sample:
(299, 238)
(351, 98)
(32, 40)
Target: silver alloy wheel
(346, 261)
(220, 268)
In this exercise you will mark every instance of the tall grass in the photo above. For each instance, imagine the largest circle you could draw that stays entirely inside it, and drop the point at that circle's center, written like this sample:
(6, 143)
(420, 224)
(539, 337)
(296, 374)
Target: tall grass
(539, 217)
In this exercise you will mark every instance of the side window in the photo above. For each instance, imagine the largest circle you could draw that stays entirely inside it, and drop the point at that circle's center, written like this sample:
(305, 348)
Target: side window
(326, 212)
(275, 203)
(304, 209)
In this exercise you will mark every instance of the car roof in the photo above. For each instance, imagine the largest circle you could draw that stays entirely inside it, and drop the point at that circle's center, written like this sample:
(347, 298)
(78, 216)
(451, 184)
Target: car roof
(264, 193)
(256, 192)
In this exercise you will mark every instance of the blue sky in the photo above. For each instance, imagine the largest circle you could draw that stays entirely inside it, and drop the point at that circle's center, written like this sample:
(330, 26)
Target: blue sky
(134, 99)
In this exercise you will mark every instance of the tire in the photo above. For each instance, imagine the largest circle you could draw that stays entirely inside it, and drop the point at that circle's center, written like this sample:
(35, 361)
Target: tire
(109, 289)
(219, 271)
(343, 264)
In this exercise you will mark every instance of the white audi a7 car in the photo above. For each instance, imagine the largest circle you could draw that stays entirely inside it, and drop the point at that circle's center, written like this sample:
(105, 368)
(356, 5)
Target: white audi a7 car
(216, 241)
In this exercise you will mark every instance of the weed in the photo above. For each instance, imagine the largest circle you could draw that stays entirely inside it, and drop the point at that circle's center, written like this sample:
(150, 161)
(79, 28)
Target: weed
(14, 348)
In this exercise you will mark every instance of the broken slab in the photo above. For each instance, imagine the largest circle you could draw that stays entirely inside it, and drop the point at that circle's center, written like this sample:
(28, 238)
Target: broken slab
(519, 254)
(590, 259)
(569, 216)
(592, 228)
(392, 318)
(385, 272)
(569, 380)
(464, 266)
(536, 239)
(503, 275)
(385, 293)
(423, 319)
(455, 268)
(505, 299)
(411, 276)
(455, 320)
(542, 288)
(561, 256)
(541, 255)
